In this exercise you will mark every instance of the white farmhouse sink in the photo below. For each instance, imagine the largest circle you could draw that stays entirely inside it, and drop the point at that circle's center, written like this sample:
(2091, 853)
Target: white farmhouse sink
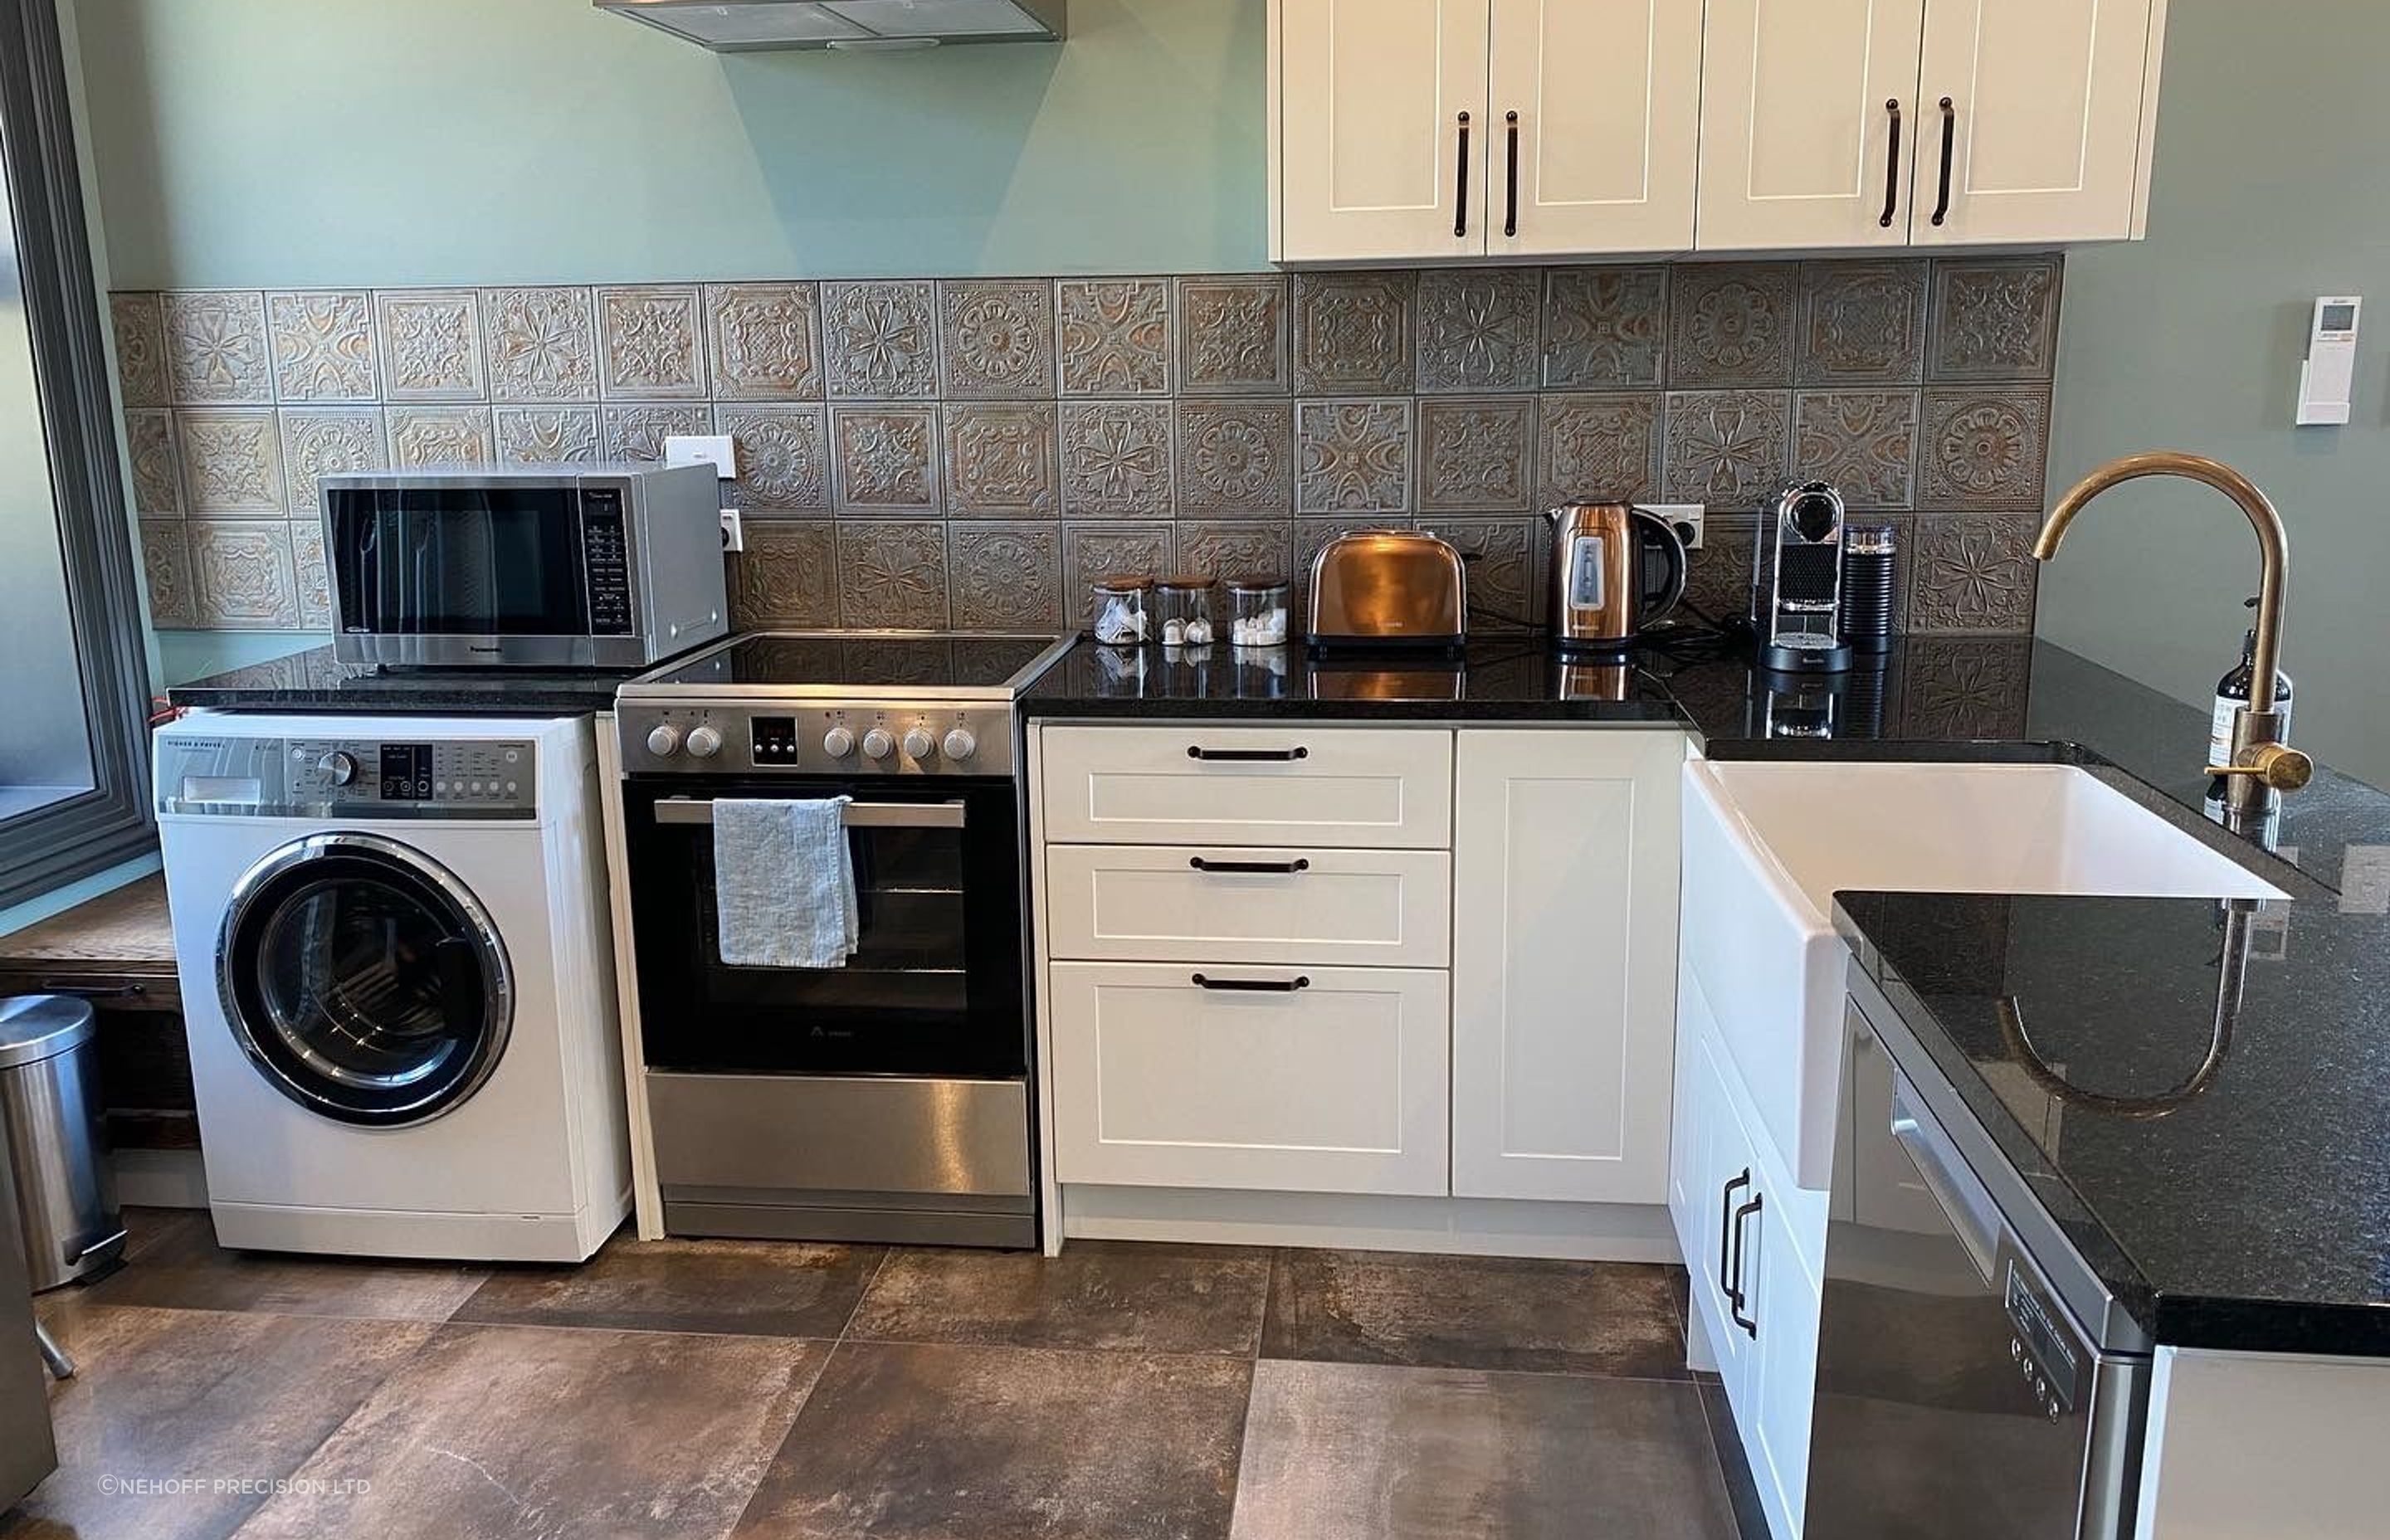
(1767, 844)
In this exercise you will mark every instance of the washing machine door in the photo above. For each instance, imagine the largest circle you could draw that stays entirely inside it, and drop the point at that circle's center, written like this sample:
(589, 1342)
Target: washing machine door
(364, 979)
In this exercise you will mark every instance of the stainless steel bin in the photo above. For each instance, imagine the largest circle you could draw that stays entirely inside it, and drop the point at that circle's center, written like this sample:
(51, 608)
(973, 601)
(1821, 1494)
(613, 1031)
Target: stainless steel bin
(50, 1116)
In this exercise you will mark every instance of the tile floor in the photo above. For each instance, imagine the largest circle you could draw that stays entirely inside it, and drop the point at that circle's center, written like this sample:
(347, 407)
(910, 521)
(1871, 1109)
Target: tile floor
(751, 1389)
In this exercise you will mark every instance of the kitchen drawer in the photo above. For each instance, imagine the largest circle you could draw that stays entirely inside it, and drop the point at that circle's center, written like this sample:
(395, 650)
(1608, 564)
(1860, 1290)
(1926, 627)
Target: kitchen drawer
(1339, 1086)
(1389, 908)
(1369, 787)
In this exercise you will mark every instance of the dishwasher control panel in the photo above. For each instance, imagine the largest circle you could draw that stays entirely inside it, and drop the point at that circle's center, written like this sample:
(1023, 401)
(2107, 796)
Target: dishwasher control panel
(2043, 1343)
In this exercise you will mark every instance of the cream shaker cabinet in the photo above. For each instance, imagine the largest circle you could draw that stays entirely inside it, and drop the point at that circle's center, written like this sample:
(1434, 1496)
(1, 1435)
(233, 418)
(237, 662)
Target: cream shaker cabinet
(1408, 129)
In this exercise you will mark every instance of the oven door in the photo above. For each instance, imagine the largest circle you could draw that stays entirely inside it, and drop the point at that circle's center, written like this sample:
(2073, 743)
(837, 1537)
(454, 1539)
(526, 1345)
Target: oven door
(935, 984)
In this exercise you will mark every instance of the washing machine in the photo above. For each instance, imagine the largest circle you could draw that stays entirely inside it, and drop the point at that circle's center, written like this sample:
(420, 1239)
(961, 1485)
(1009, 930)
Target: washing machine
(398, 982)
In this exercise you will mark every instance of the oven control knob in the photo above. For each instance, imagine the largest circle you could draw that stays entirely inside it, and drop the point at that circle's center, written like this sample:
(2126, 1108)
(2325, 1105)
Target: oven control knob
(838, 743)
(664, 740)
(338, 767)
(918, 744)
(704, 742)
(962, 743)
(877, 744)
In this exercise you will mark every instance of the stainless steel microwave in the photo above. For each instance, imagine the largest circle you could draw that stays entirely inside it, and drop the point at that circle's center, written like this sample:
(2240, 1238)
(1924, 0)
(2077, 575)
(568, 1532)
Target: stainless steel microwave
(590, 565)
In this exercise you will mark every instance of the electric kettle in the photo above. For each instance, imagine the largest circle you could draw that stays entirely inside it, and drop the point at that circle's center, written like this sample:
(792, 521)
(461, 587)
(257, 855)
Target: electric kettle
(1616, 572)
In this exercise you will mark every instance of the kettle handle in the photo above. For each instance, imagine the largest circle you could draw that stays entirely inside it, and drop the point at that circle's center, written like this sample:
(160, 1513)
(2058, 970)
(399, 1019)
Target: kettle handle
(1662, 605)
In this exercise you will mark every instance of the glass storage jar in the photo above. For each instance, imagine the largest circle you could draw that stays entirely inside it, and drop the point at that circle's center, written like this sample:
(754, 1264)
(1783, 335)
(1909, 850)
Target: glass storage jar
(1259, 611)
(1182, 611)
(1118, 609)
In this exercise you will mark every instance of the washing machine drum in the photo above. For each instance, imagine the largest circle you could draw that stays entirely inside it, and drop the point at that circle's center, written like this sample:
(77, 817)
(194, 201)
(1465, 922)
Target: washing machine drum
(364, 981)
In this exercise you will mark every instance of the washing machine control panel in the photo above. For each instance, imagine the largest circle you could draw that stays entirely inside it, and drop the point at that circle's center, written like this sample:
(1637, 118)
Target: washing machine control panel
(350, 777)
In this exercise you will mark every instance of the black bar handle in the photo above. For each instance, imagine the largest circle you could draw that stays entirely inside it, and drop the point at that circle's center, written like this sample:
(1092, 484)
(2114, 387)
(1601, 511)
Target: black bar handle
(1949, 143)
(1274, 986)
(1892, 172)
(1510, 220)
(1736, 1302)
(1726, 1230)
(1271, 756)
(1460, 196)
(1275, 869)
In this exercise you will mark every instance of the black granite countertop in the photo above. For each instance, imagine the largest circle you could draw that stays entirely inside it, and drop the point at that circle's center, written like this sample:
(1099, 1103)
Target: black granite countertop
(314, 681)
(2239, 1203)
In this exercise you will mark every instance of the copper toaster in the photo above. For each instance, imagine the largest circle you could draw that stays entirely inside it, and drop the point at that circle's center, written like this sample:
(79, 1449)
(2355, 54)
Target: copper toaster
(1388, 589)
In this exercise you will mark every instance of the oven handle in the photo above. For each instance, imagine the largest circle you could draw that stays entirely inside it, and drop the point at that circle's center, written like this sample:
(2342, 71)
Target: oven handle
(1963, 1201)
(685, 810)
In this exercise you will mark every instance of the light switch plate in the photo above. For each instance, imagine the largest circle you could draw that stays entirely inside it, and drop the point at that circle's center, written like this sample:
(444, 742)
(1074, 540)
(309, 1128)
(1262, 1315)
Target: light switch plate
(734, 531)
(1686, 517)
(719, 449)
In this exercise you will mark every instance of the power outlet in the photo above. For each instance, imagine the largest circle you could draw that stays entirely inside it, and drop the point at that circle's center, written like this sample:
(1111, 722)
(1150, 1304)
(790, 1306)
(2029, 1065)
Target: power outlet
(1685, 518)
(718, 450)
(734, 531)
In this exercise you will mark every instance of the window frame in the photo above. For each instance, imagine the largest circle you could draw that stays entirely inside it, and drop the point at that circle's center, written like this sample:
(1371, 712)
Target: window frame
(48, 847)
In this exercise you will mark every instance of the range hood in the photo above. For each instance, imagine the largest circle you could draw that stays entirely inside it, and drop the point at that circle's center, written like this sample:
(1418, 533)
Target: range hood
(737, 26)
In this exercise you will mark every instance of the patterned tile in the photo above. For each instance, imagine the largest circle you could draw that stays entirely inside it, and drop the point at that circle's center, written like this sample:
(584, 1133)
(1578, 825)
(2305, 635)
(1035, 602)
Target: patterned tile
(1353, 456)
(314, 578)
(1242, 548)
(1965, 689)
(1117, 460)
(1001, 460)
(1233, 336)
(1595, 447)
(996, 338)
(166, 573)
(1864, 441)
(232, 461)
(1236, 456)
(317, 440)
(323, 345)
(1995, 318)
(242, 575)
(1729, 447)
(1732, 323)
(1093, 551)
(651, 342)
(1604, 328)
(441, 435)
(1477, 452)
(1862, 323)
(765, 340)
(892, 574)
(547, 435)
(1984, 450)
(1717, 577)
(1477, 328)
(157, 467)
(884, 459)
(1505, 560)
(1971, 575)
(1353, 333)
(881, 340)
(140, 350)
(636, 430)
(217, 352)
(786, 576)
(1114, 336)
(543, 344)
(1006, 577)
(430, 344)
(783, 454)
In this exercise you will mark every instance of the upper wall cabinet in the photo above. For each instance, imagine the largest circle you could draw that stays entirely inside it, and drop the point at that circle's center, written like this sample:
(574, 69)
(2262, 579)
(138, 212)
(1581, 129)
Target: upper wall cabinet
(1405, 129)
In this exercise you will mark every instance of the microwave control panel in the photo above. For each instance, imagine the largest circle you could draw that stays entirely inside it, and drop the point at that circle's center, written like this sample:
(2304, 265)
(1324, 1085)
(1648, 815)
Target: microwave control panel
(605, 561)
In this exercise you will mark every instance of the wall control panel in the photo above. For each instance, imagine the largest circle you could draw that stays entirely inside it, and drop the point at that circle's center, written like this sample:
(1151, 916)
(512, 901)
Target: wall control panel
(2328, 378)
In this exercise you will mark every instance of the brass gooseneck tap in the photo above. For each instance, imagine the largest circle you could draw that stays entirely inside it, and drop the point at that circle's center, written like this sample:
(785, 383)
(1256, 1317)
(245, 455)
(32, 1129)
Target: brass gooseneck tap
(2262, 763)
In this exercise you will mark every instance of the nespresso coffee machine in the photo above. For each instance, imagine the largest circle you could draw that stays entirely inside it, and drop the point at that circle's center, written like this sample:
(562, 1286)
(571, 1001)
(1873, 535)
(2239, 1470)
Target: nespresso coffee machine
(1796, 580)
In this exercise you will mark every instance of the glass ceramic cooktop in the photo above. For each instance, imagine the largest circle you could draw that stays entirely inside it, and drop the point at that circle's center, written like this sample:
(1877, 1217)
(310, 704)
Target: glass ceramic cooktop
(861, 664)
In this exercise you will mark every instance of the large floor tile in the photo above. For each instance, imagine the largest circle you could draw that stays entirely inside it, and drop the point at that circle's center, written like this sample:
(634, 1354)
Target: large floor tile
(912, 1442)
(172, 1410)
(743, 1288)
(1097, 1294)
(1487, 1313)
(1368, 1452)
(182, 1268)
(523, 1431)
(1734, 1464)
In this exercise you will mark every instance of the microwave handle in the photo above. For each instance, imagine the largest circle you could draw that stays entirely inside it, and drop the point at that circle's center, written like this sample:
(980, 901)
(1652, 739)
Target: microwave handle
(1964, 1202)
(684, 810)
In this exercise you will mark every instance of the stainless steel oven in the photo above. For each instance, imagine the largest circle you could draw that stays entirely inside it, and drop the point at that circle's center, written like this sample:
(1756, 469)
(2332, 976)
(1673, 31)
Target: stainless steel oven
(598, 566)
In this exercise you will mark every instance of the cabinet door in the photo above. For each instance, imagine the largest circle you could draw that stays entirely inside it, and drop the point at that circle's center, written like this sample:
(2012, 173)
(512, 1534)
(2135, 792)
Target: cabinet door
(1797, 129)
(2045, 121)
(1369, 96)
(1564, 963)
(1779, 1350)
(1605, 158)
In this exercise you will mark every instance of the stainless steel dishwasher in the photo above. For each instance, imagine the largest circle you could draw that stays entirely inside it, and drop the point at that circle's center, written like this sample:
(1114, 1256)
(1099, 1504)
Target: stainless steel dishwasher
(1975, 1379)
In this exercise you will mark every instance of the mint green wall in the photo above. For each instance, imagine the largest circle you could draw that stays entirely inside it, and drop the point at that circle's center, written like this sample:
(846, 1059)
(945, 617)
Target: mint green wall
(2271, 188)
(264, 143)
